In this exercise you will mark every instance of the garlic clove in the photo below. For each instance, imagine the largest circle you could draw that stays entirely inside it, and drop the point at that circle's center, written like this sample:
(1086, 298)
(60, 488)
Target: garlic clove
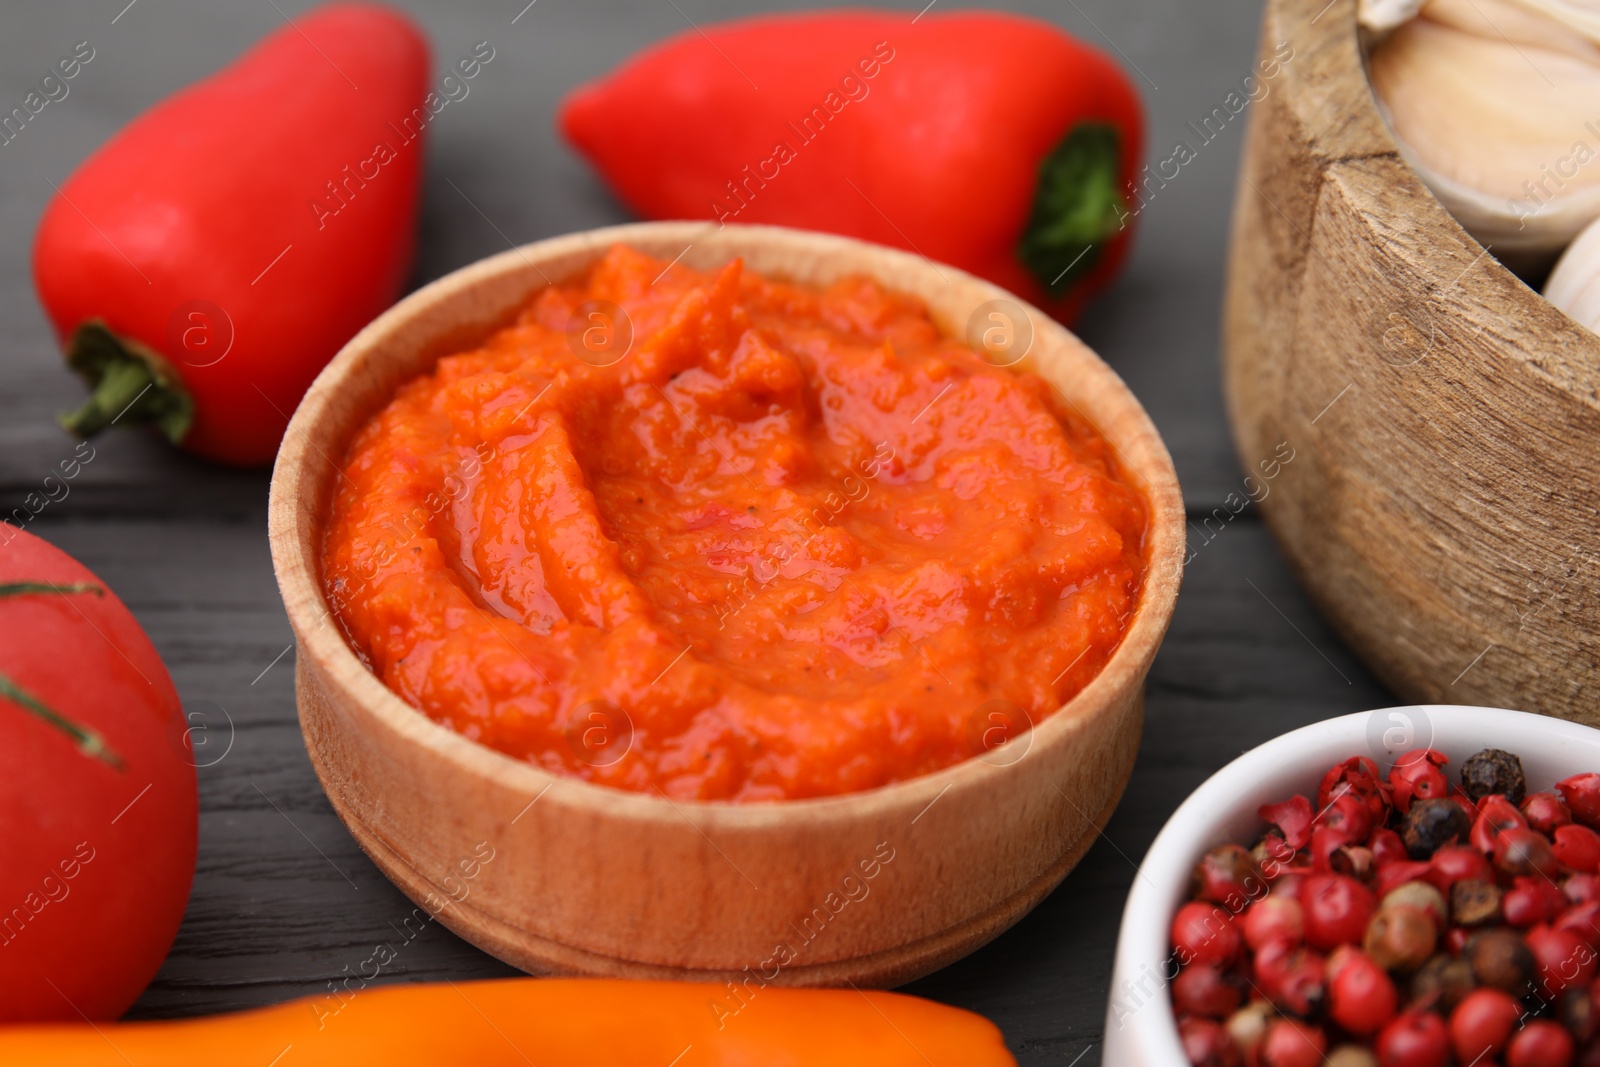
(1539, 23)
(1574, 285)
(1382, 17)
(1506, 135)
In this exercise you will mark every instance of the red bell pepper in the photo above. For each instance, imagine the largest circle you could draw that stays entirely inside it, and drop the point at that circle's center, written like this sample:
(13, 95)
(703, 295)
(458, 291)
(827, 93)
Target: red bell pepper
(203, 265)
(995, 143)
(98, 805)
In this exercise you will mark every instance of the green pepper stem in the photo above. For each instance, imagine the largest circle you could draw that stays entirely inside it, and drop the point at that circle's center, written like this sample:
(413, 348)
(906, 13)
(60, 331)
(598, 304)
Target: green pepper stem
(128, 382)
(1078, 207)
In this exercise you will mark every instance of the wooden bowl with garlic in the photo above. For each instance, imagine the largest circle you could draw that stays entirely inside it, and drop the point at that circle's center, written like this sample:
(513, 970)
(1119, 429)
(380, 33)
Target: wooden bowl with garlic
(1406, 188)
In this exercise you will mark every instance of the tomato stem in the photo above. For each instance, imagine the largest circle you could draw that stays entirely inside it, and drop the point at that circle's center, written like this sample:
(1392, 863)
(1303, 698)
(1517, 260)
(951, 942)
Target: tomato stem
(1078, 207)
(89, 742)
(128, 383)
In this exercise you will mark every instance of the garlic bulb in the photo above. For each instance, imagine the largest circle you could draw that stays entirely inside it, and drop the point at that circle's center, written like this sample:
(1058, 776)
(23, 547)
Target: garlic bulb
(1496, 105)
(1574, 285)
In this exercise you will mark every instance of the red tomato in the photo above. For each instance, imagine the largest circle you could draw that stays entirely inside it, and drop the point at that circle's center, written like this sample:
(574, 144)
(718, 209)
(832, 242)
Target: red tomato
(97, 787)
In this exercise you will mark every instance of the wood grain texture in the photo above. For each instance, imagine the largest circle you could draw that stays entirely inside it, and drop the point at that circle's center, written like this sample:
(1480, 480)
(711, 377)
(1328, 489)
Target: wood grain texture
(590, 880)
(1446, 514)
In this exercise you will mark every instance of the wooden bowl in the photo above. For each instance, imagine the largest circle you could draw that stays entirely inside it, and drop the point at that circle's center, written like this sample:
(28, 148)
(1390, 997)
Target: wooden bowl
(1443, 503)
(588, 880)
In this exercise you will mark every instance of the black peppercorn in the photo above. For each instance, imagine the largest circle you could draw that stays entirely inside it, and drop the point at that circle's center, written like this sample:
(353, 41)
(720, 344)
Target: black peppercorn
(1576, 1012)
(1432, 824)
(1494, 771)
(1500, 960)
(1447, 978)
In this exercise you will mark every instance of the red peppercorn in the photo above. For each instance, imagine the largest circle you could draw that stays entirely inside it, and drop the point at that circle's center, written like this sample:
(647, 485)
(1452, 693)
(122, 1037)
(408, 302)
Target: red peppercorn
(1204, 989)
(1563, 958)
(1293, 819)
(1398, 874)
(1204, 933)
(1346, 821)
(1482, 1024)
(1346, 881)
(1454, 863)
(1361, 995)
(1577, 848)
(1496, 815)
(1206, 1043)
(1292, 977)
(1386, 848)
(1291, 1043)
(1337, 910)
(1227, 875)
(1527, 903)
(1358, 775)
(1417, 775)
(1288, 883)
(1272, 855)
(1523, 851)
(1582, 795)
(1414, 1038)
(1545, 812)
(1581, 888)
(1541, 1043)
(1583, 920)
(1276, 917)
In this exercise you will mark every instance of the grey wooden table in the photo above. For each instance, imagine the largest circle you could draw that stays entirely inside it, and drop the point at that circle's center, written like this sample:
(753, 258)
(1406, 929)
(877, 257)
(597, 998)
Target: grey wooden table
(283, 899)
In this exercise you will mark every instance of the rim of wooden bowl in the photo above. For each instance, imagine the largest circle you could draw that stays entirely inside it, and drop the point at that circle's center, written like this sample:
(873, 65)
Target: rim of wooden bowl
(305, 457)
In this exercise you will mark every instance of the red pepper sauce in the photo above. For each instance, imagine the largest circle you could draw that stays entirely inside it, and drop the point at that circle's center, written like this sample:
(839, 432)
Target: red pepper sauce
(793, 543)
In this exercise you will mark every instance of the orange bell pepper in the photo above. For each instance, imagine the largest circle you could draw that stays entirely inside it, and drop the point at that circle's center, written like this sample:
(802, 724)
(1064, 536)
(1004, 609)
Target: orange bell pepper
(549, 1022)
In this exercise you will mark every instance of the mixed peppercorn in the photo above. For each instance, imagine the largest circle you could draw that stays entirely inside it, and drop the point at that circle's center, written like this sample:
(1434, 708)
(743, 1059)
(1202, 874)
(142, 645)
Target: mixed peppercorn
(1406, 922)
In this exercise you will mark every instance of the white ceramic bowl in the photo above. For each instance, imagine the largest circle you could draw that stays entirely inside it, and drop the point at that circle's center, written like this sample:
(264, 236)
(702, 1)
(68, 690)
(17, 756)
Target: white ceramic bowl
(1140, 1026)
